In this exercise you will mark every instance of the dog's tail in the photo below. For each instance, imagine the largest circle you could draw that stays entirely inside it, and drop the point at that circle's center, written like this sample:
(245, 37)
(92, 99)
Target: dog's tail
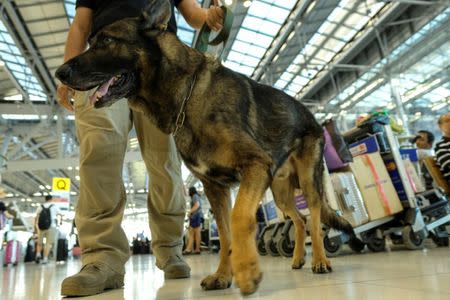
(330, 218)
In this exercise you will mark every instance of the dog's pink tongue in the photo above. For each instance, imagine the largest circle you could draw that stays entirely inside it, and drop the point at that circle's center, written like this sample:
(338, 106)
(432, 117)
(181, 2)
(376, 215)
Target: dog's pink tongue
(101, 91)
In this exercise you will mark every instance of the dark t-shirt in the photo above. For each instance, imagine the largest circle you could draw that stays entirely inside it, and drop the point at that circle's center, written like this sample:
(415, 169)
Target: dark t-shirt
(108, 11)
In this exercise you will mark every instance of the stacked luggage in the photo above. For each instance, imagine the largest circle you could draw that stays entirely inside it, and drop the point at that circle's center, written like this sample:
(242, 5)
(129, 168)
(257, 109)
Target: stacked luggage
(373, 185)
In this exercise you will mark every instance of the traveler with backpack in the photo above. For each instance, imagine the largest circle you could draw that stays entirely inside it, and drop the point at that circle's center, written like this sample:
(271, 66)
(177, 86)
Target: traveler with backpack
(45, 225)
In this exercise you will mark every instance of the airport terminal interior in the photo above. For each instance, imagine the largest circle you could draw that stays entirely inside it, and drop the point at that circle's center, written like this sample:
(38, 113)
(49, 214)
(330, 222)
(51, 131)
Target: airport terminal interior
(375, 75)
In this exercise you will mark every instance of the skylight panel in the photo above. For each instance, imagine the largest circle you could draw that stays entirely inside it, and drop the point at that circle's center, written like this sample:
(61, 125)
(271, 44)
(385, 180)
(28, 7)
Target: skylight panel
(264, 25)
(259, 27)
(280, 84)
(247, 60)
(70, 9)
(255, 37)
(15, 63)
(341, 26)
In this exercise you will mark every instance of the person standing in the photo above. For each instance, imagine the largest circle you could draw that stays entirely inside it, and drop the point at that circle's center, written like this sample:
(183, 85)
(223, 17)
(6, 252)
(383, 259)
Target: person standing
(4, 215)
(103, 137)
(424, 142)
(45, 225)
(442, 148)
(195, 223)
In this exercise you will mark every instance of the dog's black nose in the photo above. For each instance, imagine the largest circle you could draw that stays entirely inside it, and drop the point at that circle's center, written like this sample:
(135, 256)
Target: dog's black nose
(64, 73)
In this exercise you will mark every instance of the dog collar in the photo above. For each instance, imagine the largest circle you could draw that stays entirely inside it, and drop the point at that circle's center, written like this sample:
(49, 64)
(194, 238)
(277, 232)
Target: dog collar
(182, 113)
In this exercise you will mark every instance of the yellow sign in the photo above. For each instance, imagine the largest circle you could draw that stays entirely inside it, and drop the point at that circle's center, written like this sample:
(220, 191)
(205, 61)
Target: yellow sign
(61, 184)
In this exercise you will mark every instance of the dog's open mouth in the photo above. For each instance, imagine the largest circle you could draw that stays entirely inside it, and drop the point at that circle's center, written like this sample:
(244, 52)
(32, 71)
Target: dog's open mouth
(110, 91)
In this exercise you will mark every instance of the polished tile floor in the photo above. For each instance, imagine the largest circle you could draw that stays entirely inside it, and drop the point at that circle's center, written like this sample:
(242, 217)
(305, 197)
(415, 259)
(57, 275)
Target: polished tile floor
(397, 274)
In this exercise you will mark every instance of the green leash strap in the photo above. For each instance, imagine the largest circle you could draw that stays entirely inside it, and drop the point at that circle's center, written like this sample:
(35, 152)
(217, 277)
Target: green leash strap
(203, 38)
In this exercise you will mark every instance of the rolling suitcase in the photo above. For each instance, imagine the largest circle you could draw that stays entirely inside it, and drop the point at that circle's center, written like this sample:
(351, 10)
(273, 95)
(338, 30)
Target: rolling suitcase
(349, 198)
(12, 253)
(62, 250)
(30, 253)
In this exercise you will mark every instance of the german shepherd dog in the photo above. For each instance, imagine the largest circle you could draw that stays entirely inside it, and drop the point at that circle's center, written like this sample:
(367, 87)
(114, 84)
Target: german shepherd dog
(227, 128)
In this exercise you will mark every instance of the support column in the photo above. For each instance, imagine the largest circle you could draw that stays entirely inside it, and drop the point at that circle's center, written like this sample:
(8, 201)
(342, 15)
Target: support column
(400, 110)
(59, 133)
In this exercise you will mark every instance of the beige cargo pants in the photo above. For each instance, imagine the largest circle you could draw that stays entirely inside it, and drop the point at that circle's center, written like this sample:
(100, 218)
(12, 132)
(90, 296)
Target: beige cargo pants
(103, 137)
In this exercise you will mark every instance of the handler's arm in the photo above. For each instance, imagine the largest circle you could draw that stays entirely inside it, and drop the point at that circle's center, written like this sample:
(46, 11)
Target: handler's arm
(196, 16)
(76, 44)
(79, 32)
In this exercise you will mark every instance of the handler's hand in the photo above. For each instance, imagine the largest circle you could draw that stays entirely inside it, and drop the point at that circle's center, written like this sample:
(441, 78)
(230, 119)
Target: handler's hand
(64, 94)
(214, 16)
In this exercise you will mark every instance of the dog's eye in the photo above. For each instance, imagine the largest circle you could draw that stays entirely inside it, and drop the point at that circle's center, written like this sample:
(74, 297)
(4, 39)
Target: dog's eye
(108, 40)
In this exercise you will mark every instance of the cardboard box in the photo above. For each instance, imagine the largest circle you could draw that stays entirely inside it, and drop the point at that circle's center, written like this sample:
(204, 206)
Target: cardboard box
(413, 177)
(410, 153)
(379, 194)
(393, 172)
(364, 146)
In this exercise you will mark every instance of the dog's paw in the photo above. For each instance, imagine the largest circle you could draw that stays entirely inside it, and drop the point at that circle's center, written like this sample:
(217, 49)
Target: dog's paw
(321, 266)
(248, 279)
(216, 282)
(298, 263)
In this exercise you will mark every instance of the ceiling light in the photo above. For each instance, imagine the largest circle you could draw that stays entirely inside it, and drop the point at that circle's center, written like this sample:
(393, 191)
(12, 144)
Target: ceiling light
(291, 35)
(70, 168)
(42, 187)
(228, 2)
(17, 97)
(48, 187)
(439, 106)
(29, 199)
(77, 177)
(23, 199)
(2, 63)
(247, 3)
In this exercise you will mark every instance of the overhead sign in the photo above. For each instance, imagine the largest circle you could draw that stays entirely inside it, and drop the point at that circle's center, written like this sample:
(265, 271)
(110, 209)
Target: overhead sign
(61, 184)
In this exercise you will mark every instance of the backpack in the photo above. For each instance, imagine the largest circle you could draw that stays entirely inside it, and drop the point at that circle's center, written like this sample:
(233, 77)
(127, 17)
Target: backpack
(45, 218)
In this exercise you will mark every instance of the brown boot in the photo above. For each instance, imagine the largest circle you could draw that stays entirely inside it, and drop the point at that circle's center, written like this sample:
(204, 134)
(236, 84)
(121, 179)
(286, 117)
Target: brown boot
(176, 268)
(92, 279)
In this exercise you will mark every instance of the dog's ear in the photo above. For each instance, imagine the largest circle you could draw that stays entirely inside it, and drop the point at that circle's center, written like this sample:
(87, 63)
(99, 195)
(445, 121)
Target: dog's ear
(155, 16)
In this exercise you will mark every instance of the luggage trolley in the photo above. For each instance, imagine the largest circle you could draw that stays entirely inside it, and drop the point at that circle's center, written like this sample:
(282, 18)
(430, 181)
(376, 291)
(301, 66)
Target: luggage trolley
(412, 225)
(267, 239)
